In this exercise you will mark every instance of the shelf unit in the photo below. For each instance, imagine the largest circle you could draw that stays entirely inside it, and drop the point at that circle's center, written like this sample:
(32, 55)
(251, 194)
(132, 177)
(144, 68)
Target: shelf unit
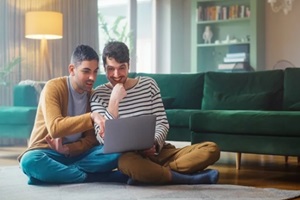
(240, 30)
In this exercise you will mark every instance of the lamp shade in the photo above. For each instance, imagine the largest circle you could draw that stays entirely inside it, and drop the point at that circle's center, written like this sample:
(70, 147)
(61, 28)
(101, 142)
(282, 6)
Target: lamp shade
(43, 25)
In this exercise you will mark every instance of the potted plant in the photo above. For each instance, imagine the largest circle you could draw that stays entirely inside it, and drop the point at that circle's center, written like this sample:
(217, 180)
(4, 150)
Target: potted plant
(7, 69)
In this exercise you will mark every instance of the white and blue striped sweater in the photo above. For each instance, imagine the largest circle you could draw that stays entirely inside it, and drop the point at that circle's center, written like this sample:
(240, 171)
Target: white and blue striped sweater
(143, 99)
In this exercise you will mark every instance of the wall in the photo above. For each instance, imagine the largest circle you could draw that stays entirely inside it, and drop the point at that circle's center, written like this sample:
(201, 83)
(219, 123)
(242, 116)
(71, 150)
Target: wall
(282, 33)
(282, 36)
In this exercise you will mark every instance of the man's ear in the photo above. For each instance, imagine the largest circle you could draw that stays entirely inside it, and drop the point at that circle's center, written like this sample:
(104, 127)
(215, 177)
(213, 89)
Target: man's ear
(71, 69)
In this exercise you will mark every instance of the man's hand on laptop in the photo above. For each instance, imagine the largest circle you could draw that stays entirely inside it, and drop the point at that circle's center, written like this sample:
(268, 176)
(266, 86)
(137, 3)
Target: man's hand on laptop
(100, 121)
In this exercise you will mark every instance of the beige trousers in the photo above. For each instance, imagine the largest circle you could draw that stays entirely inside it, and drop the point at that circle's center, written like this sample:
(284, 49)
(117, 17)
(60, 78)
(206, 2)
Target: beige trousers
(156, 169)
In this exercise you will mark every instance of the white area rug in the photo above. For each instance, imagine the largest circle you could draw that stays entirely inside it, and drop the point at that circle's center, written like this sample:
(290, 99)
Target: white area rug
(13, 186)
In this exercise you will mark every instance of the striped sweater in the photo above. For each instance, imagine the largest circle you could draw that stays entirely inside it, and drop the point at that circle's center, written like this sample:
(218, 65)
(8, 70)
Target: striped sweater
(142, 99)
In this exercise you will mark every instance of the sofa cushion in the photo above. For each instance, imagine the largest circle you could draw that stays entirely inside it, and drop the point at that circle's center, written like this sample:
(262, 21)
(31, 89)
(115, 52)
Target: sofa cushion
(180, 117)
(295, 107)
(263, 88)
(272, 123)
(12, 115)
(291, 95)
(186, 89)
(223, 101)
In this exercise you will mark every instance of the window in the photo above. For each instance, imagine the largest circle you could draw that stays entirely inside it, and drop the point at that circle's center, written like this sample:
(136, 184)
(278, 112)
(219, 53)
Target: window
(112, 10)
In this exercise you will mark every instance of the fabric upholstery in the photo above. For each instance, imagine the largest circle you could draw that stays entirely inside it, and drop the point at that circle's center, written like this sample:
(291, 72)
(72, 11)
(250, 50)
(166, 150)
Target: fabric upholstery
(186, 89)
(291, 89)
(239, 84)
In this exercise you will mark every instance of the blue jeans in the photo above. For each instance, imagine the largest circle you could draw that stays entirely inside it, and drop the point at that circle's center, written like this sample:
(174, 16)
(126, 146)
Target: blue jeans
(47, 165)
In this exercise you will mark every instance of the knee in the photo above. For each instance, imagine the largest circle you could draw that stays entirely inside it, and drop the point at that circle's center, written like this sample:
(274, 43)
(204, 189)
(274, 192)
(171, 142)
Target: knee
(215, 150)
(213, 147)
(126, 162)
(123, 160)
(28, 161)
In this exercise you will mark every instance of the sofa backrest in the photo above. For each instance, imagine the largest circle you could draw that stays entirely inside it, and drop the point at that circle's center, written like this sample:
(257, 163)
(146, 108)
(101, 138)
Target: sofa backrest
(261, 90)
(180, 91)
(291, 95)
(27, 93)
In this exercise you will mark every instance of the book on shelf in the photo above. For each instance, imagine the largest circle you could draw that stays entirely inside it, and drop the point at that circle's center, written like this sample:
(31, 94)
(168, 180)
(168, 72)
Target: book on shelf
(223, 66)
(231, 66)
(237, 55)
(235, 60)
(199, 14)
(219, 12)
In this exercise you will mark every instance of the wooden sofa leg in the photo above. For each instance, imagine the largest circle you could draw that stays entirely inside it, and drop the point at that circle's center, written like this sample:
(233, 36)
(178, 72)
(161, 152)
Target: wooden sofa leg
(286, 159)
(238, 160)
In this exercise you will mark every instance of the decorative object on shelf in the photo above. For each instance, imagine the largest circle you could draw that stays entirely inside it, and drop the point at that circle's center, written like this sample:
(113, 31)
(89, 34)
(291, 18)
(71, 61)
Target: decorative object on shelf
(284, 5)
(207, 35)
(248, 11)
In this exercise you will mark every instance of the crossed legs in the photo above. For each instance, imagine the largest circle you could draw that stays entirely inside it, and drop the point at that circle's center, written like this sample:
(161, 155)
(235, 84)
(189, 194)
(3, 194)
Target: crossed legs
(171, 163)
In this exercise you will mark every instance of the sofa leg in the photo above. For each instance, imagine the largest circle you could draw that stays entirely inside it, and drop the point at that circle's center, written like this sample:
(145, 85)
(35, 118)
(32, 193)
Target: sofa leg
(298, 160)
(238, 160)
(286, 159)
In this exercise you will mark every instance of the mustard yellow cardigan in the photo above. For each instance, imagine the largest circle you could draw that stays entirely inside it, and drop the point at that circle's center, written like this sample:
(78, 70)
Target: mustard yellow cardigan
(51, 119)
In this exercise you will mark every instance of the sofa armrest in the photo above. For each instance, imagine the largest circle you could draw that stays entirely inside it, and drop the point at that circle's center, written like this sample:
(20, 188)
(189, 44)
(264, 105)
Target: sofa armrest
(27, 94)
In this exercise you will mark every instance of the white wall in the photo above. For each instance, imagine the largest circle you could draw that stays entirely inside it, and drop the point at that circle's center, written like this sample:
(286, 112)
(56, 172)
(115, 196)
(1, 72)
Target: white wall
(282, 36)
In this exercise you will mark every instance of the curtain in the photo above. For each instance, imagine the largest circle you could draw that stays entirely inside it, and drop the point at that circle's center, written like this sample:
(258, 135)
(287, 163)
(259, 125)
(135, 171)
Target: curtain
(80, 26)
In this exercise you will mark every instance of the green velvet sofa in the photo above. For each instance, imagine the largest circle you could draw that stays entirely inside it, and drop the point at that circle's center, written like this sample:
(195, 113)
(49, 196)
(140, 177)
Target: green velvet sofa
(249, 112)
(16, 122)
(255, 112)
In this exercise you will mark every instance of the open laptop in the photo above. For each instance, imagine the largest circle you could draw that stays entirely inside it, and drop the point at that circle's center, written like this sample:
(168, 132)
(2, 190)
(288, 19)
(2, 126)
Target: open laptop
(129, 134)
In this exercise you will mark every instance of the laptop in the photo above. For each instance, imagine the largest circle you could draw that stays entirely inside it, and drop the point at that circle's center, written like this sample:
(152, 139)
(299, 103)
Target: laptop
(129, 134)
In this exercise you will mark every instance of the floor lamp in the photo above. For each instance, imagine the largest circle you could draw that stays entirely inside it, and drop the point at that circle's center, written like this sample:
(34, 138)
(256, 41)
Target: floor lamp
(44, 25)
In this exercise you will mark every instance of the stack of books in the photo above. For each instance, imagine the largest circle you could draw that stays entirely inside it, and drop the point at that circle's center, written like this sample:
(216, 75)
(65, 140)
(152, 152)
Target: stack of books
(231, 59)
(237, 54)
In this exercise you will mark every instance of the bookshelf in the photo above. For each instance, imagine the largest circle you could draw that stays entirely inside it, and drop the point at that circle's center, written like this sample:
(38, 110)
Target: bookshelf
(232, 25)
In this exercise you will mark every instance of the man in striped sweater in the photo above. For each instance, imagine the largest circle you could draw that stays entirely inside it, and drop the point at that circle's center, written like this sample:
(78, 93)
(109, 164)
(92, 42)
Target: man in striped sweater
(128, 97)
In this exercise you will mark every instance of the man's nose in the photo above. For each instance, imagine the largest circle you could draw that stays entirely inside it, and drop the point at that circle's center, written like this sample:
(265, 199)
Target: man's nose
(116, 72)
(93, 77)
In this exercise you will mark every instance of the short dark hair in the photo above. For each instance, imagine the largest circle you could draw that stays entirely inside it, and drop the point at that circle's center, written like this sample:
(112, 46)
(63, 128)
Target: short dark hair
(117, 50)
(82, 53)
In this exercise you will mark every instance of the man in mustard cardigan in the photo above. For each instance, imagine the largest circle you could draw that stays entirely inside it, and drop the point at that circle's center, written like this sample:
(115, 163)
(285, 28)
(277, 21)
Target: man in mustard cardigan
(62, 147)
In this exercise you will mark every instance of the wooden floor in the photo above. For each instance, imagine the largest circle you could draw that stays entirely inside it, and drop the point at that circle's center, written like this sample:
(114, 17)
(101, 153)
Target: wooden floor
(256, 170)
